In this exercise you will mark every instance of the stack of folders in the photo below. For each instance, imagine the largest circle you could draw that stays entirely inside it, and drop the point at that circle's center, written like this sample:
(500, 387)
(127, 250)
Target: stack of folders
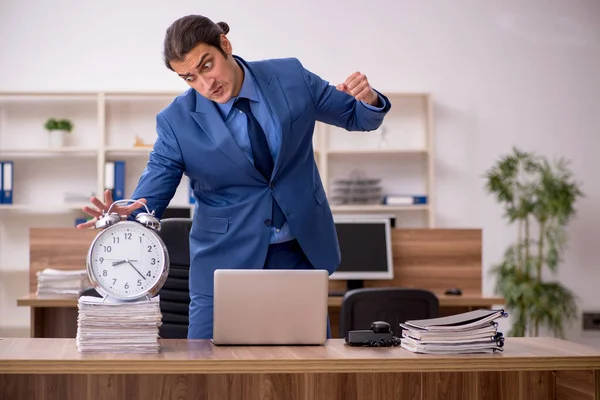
(470, 332)
(53, 282)
(111, 326)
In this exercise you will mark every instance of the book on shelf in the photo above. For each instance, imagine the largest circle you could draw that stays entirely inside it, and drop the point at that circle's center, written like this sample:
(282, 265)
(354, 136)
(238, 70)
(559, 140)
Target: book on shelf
(403, 200)
(470, 332)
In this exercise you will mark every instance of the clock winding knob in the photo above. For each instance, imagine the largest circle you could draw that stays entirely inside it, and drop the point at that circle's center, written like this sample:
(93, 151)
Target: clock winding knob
(107, 220)
(149, 221)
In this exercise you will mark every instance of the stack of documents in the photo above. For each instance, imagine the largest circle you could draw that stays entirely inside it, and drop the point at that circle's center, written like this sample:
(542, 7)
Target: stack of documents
(111, 326)
(470, 332)
(51, 282)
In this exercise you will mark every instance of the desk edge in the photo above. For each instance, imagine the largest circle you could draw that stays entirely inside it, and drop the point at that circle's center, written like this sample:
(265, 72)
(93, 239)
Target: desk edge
(400, 365)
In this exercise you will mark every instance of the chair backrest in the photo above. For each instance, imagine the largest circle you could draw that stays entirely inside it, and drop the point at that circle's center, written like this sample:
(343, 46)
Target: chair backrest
(361, 307)
(175, 294)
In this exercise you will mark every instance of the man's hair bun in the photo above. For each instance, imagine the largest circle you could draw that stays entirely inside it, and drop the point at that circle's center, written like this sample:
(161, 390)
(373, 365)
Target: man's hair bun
(224, 27)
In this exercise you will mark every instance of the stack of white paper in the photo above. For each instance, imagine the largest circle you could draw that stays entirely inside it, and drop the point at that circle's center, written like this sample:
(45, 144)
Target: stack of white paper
(470, 332)
(111, 326)
(52, 282)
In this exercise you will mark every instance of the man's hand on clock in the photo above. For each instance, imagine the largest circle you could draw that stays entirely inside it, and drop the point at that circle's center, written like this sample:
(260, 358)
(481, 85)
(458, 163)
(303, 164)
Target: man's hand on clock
(96, 211)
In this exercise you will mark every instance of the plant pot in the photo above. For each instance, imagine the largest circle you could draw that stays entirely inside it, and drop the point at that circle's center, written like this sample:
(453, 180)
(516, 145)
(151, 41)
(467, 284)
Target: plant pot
(58, 138)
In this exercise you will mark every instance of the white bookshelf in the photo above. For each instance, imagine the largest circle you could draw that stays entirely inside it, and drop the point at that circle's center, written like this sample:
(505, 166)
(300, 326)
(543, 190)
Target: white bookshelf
(400, 154)
(106, 125)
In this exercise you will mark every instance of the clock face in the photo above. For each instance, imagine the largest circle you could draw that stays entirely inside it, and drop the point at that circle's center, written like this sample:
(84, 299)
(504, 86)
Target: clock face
(127, 260)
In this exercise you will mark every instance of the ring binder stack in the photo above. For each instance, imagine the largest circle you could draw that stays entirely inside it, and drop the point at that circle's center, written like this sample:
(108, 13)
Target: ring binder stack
(470, 332)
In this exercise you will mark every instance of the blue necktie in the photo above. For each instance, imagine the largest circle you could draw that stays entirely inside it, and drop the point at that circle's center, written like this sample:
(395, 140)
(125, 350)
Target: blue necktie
(261, 154)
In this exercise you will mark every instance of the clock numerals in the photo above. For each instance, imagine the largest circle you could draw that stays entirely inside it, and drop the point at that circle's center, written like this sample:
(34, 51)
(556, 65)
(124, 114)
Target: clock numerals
(124, 266)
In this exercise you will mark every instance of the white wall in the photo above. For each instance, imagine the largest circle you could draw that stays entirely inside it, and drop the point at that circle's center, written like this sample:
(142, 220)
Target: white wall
(502, 73)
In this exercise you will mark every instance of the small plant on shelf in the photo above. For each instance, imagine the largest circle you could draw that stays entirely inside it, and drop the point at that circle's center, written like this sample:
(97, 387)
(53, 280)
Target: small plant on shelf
(539, 197)
(59, 125)
(58, 129)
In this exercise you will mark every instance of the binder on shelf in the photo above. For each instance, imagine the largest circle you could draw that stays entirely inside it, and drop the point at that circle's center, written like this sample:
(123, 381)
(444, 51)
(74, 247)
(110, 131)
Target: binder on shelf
(7, 182)
(109, 176)
(114, 178)
(404, 200)
(119, 180)
(1, 183)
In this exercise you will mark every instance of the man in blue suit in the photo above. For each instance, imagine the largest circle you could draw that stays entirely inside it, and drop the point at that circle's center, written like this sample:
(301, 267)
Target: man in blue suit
(243, 135)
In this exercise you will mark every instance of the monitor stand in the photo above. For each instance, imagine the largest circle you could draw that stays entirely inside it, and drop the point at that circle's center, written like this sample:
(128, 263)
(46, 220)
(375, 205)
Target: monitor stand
(350, 285)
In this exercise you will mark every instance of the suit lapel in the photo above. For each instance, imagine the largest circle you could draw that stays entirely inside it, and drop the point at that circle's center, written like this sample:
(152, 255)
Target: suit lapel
(209, 119)
(271, 88)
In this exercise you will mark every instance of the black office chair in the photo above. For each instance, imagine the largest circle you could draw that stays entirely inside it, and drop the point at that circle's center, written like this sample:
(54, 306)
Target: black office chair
(361, 307)
(175, 294)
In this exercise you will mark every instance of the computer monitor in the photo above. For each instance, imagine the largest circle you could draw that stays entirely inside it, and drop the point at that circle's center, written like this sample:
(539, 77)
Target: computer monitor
(366, 249)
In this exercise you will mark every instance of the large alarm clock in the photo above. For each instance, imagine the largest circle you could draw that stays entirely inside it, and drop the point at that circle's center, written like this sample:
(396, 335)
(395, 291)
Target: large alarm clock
(127, 260)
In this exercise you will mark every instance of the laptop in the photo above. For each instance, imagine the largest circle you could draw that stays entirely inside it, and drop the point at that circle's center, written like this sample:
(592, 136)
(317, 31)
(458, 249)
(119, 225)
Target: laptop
(270, 307)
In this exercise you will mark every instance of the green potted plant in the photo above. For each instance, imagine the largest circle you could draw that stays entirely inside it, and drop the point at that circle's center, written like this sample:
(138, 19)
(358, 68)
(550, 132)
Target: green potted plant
(58, 130)
(538, 196)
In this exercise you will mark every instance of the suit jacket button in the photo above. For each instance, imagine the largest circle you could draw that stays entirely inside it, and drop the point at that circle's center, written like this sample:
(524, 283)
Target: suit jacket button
(267, 222)
(271, 185)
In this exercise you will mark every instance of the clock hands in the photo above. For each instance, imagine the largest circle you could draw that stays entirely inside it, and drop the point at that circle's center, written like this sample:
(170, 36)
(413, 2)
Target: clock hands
(136, 270)
(121, 262)
(115, 263)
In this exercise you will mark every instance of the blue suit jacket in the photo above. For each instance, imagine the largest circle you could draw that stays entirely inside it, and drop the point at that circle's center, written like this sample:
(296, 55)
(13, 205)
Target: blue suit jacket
(233, 200)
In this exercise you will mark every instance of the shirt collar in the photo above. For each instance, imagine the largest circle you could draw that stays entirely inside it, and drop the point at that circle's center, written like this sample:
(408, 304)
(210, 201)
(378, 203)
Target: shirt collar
(248, 90)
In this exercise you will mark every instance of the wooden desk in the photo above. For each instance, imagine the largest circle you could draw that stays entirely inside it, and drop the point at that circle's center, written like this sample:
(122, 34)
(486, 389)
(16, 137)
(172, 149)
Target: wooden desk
(529, 368)
(51, 317)
(56, 317)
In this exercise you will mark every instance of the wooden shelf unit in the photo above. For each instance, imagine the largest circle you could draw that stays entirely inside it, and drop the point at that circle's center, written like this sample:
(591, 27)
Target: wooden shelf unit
(106, 124)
